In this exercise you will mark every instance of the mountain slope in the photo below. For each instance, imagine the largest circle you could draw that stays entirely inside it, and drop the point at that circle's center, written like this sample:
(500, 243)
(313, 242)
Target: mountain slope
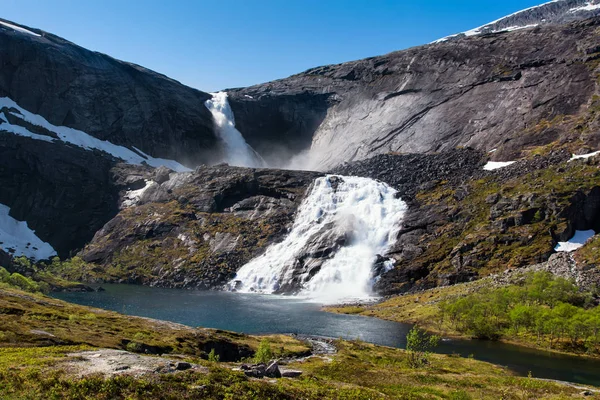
(69, 116)
(106, 98)
(485, 91)
(552, 12)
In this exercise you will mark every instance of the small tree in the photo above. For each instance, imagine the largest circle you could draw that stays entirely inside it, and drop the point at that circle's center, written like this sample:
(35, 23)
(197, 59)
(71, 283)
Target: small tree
(418, 345)
(213, 357)
(264, 353)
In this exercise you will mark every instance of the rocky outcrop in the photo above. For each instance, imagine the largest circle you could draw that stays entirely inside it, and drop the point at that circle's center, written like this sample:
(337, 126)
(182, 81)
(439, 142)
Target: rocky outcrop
(411, 173)
(504, 91)
(64, 193)
(464, 223)
(196, 229)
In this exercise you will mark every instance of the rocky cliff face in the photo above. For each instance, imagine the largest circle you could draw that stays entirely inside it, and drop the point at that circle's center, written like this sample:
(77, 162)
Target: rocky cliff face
(487, 91)
(195, 230)
(465, 223)
(109, 99)
(66, 191)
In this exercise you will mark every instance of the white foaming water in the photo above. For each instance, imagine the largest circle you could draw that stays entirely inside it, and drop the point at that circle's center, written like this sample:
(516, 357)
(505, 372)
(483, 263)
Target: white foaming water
(363, 210)
(238, 152)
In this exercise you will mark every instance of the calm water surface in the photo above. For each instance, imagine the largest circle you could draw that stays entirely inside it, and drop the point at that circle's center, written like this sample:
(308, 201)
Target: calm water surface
(254, 313)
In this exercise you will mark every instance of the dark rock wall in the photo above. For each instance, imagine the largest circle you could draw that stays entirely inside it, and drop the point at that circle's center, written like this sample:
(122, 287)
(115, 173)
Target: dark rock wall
(279, 126)
(64, 193)
(112, 100)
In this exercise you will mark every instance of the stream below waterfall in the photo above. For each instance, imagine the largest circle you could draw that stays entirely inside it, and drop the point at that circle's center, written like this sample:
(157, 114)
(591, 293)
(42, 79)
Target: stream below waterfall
(260, 313)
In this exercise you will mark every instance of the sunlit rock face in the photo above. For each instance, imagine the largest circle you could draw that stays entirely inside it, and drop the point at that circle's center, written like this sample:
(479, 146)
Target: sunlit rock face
(487, 91)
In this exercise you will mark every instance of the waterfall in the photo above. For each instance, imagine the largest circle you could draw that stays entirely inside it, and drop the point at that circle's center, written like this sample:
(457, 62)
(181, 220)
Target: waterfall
(329, 255)
(238, 152)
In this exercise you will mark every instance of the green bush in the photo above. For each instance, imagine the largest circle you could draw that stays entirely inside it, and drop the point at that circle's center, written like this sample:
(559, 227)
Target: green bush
(4, 275)
(418, 345)
(135, 347)
(545, 306)
(23, 283)
(213, 357)
(264, 353)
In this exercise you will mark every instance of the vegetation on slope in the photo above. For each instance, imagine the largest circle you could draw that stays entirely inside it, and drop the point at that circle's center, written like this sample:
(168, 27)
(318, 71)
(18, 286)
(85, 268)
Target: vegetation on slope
(28, 319)
(540, 311)
(357, 371)
(504, 220)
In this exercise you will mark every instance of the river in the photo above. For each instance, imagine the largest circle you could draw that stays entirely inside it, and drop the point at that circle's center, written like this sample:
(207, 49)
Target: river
(260, 313)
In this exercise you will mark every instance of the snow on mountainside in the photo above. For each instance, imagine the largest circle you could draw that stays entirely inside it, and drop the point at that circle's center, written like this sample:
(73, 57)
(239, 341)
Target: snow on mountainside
(11, 111)
(552, 12)
(18, 28)
(18, 239)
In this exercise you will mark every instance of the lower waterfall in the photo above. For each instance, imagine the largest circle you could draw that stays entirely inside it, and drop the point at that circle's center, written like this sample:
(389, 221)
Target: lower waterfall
(237, 151)
(329, 255)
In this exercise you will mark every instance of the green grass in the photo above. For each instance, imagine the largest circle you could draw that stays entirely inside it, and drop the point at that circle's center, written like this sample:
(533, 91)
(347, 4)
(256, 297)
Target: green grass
(33, 366)
(358, 371)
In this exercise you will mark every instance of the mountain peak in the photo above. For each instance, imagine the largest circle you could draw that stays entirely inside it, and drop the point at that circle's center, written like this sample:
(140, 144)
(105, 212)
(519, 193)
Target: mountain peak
(552, 12)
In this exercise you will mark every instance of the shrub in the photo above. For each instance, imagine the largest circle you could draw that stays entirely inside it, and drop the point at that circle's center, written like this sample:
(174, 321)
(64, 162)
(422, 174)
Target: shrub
(24, 283)
(264, 353)
(4, 275)
(135, 347)
(418, 345)
(213, 357)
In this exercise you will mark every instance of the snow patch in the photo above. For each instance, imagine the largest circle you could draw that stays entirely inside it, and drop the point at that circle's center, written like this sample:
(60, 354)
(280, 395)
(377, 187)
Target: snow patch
(588, 7)
(584, 156)
(132, 197)
(493, 151)
(19, 29)
(492, 165)
(18, 239)
(577, 241)
(479, 30)
(79, 138)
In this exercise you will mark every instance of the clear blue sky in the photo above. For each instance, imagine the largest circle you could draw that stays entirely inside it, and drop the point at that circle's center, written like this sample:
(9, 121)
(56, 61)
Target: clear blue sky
(212, 45)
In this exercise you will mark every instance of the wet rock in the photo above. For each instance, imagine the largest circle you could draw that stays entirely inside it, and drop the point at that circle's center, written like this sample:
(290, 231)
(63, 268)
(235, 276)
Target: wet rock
(229, 215)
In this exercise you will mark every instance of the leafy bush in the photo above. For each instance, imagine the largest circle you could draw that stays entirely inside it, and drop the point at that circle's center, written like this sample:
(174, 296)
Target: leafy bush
(23, 283)
(135, 347)
(264, 353)
(4, 275)
(213, 357)
(418, 345)
(543, 305)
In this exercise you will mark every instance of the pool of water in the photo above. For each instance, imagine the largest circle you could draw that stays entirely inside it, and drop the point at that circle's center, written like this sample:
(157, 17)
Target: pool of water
(255, 314)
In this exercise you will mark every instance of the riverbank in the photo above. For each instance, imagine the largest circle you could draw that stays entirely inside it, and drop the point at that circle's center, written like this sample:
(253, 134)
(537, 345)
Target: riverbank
(423, 309)
(45, 343)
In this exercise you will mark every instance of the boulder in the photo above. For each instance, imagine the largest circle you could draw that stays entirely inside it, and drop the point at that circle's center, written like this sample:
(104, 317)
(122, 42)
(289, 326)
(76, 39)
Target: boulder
(272, 371)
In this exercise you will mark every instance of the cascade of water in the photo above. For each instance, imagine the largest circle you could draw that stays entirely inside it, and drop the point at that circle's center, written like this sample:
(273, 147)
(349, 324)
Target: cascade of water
(238, 152)
(362, 211)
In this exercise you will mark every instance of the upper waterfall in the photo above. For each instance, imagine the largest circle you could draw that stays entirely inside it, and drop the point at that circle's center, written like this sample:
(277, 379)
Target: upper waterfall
(329, 255)
(237, 151)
